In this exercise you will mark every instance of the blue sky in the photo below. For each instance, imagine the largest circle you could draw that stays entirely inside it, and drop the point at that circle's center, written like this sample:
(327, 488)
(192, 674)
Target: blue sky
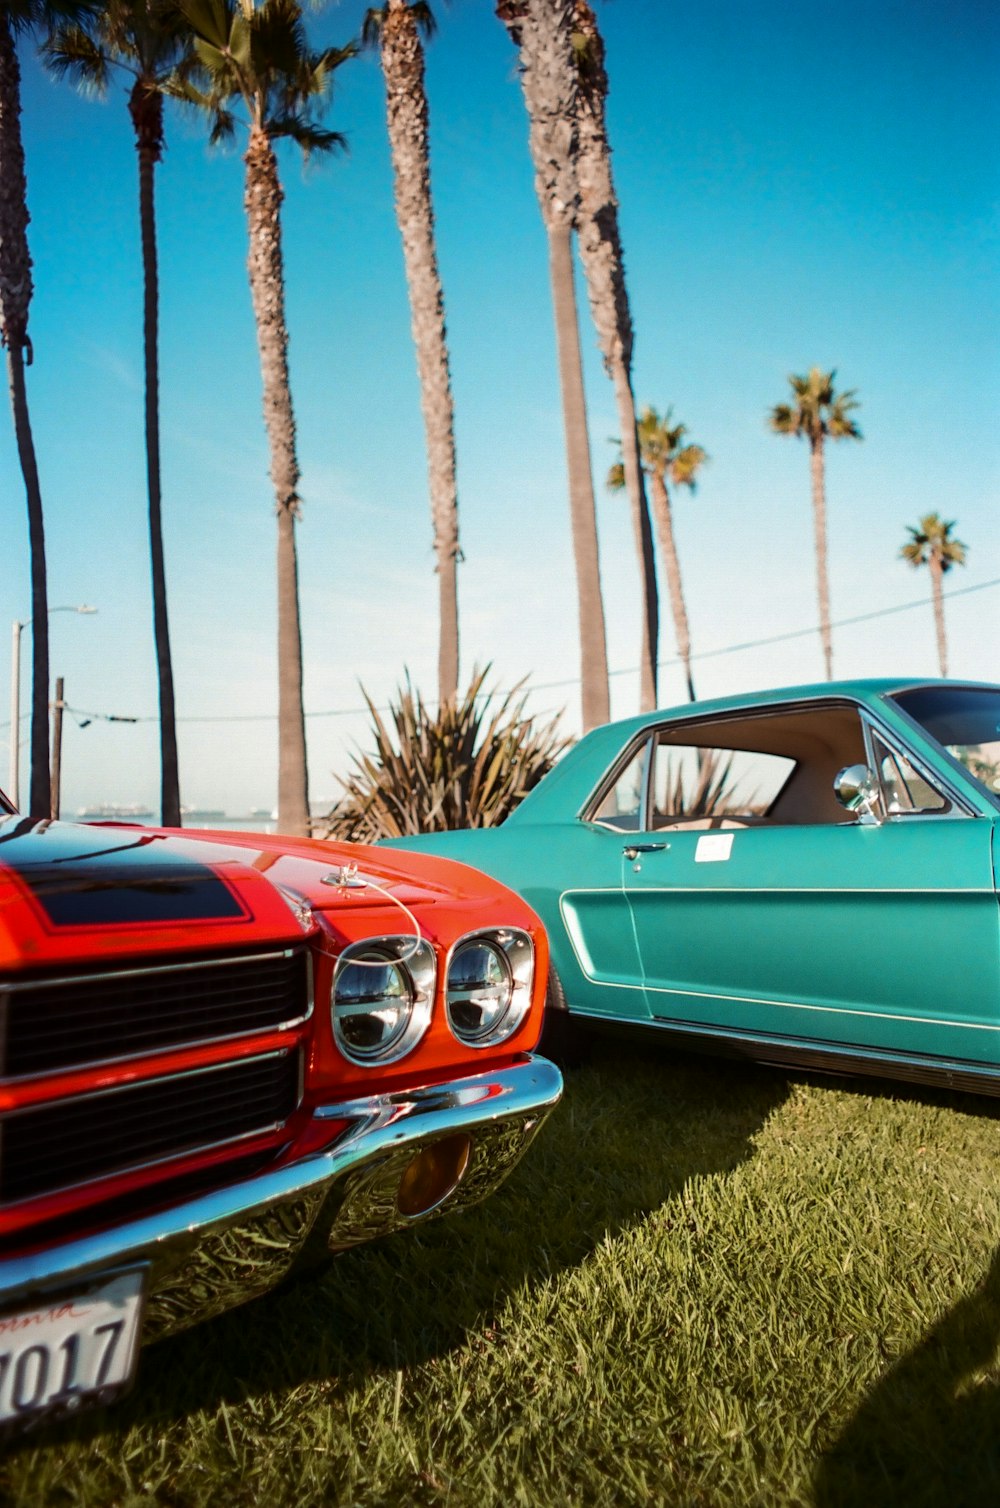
(797, 187)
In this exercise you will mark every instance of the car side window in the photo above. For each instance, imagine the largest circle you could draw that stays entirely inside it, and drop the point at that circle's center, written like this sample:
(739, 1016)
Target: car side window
(904, 790)
(698, 785)
(621, 805)
(773, 766)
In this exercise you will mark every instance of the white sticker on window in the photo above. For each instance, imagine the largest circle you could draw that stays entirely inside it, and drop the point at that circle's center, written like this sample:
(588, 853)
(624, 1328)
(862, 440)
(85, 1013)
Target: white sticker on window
(713, 848)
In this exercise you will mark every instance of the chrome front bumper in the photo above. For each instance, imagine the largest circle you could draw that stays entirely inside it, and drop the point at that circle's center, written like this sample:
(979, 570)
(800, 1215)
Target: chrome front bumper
(221, 1249)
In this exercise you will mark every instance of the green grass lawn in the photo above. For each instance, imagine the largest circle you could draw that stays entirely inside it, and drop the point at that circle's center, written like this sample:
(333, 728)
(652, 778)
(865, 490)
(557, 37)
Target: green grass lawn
(706, 1284)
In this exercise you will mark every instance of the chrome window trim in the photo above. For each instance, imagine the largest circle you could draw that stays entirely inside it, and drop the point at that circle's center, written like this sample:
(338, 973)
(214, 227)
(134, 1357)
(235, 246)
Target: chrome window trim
(422, 1009)
(866, 713)
(8, 988)
(873, 724)
(492, 936)
(167, 1157)
(607, 780)
(892, 696)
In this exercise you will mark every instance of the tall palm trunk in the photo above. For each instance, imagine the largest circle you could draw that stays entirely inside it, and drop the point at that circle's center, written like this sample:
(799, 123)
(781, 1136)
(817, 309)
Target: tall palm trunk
(819, 530)
(542, 31)
(262, 201)
(15, 300)
(596, 700)
(603, 265)
(146, 110)
(406, 110)
(642, 529)
(937, 594)
(663, 514)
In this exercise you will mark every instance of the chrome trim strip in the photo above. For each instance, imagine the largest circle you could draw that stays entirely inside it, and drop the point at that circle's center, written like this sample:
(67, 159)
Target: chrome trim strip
(190, 1150)
(792, 889)
(160, 1078)
(799, 1005)
(173, 968)
(217, 1250)
(183, 1043)
(801, 1050)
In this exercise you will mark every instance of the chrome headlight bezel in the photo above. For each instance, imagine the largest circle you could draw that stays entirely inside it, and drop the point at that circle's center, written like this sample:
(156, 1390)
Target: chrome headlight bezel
(414, 964)
(514, 951)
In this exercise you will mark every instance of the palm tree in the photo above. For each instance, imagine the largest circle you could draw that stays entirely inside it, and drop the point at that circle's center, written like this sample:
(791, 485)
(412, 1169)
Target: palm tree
(395, 29)
(254, 59)
(666, 456)
(16, 17)
(542, 30)
(142, 39)
(932, 544)
(818, 413)
(603, 265)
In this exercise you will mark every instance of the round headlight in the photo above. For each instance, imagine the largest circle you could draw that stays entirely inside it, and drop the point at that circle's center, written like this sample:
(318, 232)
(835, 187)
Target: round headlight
(488, 993)
(383, 991)
(480, 988)
(372, 1002)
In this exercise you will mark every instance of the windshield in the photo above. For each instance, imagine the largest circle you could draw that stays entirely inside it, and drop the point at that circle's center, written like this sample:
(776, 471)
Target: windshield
(966, 721)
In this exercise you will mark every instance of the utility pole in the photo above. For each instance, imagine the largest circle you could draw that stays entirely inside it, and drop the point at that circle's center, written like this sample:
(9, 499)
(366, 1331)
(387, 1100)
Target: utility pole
(57, 716)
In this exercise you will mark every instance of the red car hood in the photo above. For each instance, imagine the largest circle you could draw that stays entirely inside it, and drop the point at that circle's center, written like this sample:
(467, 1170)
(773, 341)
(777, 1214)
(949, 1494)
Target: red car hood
(75, 893)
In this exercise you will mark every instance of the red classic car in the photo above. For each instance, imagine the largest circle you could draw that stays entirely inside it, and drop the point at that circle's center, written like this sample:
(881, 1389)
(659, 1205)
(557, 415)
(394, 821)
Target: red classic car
(225, 1056)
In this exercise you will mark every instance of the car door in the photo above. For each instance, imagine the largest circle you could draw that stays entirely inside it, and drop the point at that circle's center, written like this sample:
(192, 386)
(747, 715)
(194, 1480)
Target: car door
(604, 976)
(784, 918)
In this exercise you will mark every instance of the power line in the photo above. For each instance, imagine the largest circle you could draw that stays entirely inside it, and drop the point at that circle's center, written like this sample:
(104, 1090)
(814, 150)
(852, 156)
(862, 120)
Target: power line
(795, 633)
(704, 654)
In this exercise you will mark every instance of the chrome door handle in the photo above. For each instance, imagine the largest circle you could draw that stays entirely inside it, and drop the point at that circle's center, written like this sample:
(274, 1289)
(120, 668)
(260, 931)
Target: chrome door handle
(632, 849)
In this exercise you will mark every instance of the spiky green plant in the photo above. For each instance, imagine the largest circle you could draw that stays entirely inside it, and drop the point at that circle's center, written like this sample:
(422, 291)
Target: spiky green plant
(467, 764)
(709, 793)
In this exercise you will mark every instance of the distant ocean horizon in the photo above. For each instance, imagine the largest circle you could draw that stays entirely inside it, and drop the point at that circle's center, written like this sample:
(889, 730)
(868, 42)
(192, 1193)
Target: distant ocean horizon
(260, 819)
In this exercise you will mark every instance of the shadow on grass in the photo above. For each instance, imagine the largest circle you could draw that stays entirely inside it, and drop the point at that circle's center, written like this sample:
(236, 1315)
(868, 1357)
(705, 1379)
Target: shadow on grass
(928, 1436)
(634, 1126)
(876, 1087)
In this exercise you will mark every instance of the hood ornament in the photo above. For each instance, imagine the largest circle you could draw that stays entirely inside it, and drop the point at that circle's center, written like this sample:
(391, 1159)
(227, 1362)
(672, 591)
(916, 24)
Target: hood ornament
(345, 877)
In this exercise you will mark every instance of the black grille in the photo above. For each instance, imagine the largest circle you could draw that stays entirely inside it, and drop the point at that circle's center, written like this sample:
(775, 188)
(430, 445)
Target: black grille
(70, 1023)
(97, 1135)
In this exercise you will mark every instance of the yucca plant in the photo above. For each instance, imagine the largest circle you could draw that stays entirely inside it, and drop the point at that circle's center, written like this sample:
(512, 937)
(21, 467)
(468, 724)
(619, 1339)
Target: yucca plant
(709, 794)
(467, 764)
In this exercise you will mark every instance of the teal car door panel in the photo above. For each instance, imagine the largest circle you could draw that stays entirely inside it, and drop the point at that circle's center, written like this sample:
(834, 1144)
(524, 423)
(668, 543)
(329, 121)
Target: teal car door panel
(885, 935)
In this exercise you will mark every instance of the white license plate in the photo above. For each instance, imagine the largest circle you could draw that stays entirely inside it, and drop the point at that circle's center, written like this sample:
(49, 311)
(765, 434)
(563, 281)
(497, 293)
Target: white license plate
(77, 1348)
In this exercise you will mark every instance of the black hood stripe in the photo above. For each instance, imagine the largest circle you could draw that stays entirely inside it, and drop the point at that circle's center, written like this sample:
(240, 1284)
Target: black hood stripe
(98, 877)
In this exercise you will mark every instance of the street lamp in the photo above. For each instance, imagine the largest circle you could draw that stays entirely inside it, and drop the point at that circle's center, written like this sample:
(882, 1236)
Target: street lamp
(15, 695)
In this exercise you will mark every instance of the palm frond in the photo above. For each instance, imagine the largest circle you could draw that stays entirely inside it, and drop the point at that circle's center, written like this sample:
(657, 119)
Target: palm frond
(305, 133)
(373, 25)
(71, 52)
(818, 410)
(932, 540)
(211, 20)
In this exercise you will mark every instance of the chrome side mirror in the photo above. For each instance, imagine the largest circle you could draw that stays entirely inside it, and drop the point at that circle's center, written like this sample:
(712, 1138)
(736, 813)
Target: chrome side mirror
(857, 789)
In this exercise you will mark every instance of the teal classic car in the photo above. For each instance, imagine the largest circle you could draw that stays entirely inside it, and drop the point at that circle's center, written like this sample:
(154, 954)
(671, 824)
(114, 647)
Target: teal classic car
(805, 877)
